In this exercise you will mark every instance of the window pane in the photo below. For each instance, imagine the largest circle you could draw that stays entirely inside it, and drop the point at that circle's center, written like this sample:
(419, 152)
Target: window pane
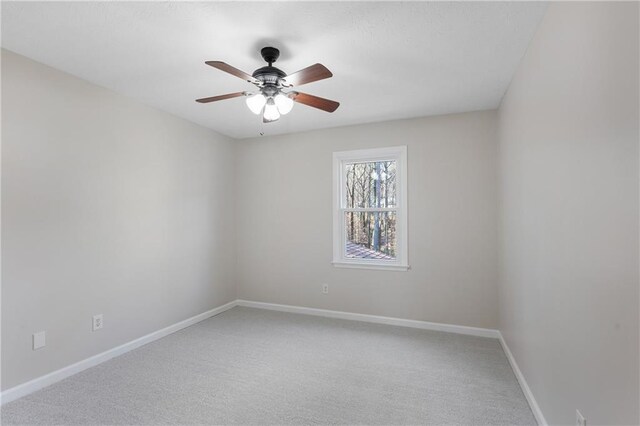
(371, 185)
(371, 235)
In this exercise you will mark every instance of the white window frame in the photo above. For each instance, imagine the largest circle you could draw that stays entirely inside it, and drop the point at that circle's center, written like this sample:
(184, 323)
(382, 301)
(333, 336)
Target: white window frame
(340, 160)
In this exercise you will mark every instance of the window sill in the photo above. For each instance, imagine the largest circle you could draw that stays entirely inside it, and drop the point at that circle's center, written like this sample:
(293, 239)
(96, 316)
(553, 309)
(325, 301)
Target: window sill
(374, 266)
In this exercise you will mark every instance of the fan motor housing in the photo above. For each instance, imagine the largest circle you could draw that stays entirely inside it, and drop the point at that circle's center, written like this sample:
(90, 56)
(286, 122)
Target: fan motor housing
(269, 74)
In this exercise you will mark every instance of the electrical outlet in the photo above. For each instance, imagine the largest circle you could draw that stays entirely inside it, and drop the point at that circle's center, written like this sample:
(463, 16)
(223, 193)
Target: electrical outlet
(97, 322)
(580, 420)
(39, 340)
(325, 288)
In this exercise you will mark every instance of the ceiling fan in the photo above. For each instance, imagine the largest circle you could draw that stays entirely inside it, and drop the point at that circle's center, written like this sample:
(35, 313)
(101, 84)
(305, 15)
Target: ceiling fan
(271, 100)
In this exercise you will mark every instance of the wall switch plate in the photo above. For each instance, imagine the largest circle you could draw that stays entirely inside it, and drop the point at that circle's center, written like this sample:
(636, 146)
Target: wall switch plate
(325, 288)
(39, 340)
(580, 420)
(97, 322)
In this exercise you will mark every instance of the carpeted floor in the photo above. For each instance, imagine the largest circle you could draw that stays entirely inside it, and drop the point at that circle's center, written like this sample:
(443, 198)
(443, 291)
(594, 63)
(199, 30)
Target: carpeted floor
(251, 366)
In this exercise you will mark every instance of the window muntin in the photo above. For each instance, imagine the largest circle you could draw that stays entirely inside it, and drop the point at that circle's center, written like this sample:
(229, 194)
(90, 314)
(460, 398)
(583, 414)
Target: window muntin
(369, 210)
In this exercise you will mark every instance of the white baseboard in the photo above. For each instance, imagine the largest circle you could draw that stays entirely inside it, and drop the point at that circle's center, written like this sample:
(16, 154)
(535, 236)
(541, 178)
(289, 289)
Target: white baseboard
(55, 376)
(537, 413)
(450, 328)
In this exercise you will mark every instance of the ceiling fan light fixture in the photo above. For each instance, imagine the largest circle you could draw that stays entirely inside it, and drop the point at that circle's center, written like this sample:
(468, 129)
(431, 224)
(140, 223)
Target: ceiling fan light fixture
(284, 103)
(256, 103)
(271, 111)
(270, 101)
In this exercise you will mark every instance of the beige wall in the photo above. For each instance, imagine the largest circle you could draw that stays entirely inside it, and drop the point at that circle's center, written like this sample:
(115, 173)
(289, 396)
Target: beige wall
(108, 207)
(284, 193)
(569, 247)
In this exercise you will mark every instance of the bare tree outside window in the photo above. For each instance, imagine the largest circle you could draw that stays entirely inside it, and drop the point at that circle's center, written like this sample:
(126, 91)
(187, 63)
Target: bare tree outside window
(370, 209)
(370, 216)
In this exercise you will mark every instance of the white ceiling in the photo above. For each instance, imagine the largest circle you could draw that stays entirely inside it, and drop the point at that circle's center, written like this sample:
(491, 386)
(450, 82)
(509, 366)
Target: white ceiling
(390, 60)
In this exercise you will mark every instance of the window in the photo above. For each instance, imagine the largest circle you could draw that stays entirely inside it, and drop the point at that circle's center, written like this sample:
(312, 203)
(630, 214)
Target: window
(370, 214)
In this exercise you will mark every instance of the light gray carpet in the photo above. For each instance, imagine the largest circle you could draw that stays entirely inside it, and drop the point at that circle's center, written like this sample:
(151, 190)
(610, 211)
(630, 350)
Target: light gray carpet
(251, 366)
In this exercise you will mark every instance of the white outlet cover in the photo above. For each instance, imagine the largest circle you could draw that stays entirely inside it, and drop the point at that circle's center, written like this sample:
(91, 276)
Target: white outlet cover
(97, 322)
(39, 340)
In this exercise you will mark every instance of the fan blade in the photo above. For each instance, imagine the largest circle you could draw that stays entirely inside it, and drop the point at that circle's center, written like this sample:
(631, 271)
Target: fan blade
(310, 74)
(222, 66)
(220, 98)
(315, 101)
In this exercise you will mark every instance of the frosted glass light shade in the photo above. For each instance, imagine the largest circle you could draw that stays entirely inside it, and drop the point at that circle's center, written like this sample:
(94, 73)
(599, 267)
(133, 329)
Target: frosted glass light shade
(284, 103)
(271, 111)
(256, 102)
